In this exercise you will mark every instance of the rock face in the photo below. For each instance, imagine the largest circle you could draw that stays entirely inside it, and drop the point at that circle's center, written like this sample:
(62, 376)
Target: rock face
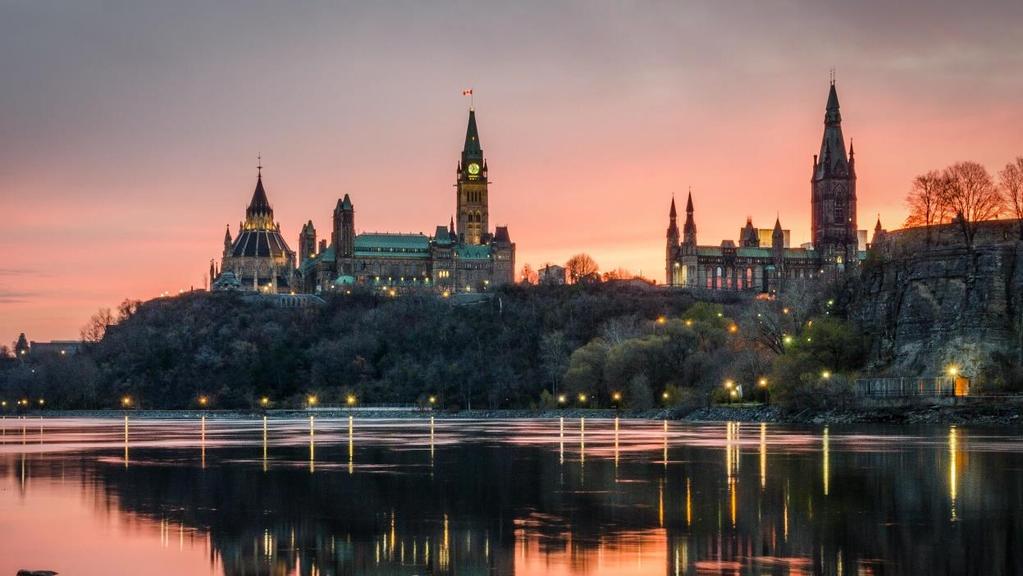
(927, 305)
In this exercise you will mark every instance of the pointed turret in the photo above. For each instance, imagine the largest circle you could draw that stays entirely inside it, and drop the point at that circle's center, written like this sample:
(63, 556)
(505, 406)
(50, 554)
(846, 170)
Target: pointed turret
(259, 215)
(227, 241)
(777, 235)
(748, 237)
(472, 147)
(451, 226)
(852, 159)
(832, 159)
(672, 224)
(689, 228)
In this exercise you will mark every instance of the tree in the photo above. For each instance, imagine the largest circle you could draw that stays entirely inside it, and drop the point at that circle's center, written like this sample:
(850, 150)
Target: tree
(528, 275)
(925, 201)
(1011, 178)
(21, 346)
(581, 267)
(554, 351)
(617, 274)
(97, 326)
(970, 194)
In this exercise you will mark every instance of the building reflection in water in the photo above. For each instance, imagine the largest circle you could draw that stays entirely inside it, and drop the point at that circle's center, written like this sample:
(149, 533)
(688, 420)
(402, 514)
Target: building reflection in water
(647, 497)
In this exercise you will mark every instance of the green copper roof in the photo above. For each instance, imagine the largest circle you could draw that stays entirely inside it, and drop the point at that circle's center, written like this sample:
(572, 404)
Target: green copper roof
(325, 256)
(472, 252)
(801, 253)
(392, 245)
(376, 240)
(751, 252)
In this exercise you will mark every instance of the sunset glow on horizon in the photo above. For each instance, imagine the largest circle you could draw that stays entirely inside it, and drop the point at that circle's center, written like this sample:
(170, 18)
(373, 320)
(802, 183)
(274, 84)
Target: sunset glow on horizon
(129, 135)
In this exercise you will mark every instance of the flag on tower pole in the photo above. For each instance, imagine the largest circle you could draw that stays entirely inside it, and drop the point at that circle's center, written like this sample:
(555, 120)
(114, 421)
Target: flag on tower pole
(468, 92)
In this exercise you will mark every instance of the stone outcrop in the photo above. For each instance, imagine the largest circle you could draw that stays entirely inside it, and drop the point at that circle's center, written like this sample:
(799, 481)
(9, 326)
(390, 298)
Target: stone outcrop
(927, 304)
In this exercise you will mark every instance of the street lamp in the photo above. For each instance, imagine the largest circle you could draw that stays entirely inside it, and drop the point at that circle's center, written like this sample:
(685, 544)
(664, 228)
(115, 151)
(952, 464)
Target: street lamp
(203, 400)
(126, 402)
(953, 370)
(661, 320)
(351, 399)
(311, 400)
(826, 375)
(562, 399)
(433, 400)
(582, 398)
(264, 401)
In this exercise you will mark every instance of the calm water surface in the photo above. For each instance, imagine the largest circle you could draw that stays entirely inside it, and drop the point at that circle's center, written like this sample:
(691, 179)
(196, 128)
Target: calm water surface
(563, 497)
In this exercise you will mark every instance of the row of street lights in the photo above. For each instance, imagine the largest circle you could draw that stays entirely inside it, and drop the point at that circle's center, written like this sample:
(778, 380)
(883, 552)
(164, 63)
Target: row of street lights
(311, 401)
(23, 403)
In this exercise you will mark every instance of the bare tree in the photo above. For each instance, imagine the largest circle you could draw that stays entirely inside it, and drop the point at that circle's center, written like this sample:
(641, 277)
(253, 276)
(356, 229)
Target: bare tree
(581, 267)
(925, 202)
(618, 274)
(970, 194)
(97, 326)
(528, 275)
(1011, 178)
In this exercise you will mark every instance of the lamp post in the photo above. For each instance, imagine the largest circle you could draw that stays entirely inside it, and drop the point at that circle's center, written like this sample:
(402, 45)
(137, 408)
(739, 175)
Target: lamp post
(762, 383)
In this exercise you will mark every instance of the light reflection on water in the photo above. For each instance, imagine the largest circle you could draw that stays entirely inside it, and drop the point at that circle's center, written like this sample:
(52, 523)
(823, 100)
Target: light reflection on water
(556, 496)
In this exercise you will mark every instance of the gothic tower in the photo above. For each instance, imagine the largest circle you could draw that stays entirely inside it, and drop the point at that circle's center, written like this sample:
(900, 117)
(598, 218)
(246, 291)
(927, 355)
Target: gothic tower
(343, 237)
(306, 242)
(228, 243)
(689, 228)
(833, 196)
(472, 202)
(672, 248)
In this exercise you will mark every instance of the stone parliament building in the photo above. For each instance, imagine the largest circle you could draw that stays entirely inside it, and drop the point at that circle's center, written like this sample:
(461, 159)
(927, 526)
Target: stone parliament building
(463, 255)
(762, 260)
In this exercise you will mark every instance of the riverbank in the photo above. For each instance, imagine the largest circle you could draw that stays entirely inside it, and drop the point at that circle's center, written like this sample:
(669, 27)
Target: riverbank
(979, 412)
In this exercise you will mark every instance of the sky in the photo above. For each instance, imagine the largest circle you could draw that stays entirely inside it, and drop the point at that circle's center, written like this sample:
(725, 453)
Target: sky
(129, 131)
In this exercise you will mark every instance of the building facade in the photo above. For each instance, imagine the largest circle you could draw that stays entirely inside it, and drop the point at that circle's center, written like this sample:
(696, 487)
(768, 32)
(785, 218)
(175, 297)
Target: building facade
(463, 255)
(258, 259)
(757, 265)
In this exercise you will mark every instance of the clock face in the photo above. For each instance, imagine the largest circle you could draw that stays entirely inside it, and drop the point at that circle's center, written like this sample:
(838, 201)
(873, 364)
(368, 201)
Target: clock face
(474, 168)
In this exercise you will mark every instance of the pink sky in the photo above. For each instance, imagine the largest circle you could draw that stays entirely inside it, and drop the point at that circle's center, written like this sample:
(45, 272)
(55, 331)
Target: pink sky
(129, 134)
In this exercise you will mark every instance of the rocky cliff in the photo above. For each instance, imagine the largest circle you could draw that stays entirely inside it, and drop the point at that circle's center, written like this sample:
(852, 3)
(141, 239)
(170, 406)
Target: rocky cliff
(927, 304)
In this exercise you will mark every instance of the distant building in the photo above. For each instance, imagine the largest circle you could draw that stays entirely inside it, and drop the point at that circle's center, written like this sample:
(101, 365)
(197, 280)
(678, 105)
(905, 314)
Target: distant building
(551, 274)
(51, 348)
(258, 259)
(761, 262)
(462, 256)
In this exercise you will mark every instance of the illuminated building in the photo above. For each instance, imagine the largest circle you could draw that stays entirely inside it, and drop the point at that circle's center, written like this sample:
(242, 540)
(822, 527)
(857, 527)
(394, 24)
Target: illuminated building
(463, 255)
(756, 265)
(258, 259)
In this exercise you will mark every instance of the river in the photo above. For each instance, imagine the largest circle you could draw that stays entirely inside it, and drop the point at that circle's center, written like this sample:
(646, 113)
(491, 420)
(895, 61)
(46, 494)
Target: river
(555, 496)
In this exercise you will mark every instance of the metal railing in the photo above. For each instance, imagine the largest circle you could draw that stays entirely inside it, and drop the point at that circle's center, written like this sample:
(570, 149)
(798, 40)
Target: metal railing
(928, 387)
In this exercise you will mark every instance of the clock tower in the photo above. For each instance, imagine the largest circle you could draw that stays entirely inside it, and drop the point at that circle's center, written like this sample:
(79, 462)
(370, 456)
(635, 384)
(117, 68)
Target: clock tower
(833, 194)
(471, 201)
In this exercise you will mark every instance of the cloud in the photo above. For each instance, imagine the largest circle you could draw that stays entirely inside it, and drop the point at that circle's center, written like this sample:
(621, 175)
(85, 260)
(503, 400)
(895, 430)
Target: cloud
(20, 272)
(16, 296)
